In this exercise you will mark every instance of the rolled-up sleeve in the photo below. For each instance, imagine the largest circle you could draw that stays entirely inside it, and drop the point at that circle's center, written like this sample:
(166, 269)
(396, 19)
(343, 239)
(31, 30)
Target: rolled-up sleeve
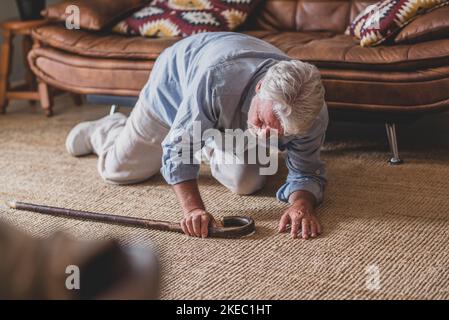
(306, 170)
(195, 115)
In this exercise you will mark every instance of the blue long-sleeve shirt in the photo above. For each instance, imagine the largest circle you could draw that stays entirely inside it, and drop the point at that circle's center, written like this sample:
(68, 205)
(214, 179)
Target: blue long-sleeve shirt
(211, 78)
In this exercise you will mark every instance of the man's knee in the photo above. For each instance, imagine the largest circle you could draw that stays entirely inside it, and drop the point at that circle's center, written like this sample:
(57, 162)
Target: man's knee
(247, 180)
(126, 173)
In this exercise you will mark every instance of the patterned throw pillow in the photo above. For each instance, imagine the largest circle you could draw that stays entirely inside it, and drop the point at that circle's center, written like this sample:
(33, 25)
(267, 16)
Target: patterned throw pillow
(171, 18)
(382, 20)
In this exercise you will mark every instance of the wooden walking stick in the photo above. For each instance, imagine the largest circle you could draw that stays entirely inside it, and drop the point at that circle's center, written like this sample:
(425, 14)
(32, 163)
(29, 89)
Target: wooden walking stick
(233, 226)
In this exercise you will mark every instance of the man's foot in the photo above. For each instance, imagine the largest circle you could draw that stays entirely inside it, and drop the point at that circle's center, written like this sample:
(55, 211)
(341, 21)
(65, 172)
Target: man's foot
(78, 141)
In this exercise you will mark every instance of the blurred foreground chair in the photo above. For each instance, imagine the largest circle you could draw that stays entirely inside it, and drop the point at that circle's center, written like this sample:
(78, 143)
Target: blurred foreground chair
(62, 268)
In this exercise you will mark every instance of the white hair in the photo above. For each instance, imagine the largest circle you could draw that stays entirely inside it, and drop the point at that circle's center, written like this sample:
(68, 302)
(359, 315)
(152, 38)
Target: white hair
(297, 93)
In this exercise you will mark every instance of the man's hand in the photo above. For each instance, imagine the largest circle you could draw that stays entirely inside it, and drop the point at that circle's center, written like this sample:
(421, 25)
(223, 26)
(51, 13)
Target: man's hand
(301, 216)
(196, 219)
(196, 223)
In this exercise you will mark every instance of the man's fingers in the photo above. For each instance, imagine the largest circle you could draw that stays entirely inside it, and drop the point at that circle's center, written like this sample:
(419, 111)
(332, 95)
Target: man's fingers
(184, 227)
(197, 226)
(319, 229)
(285, 219)
(215, 223)
(296, 223)
(204, 226)
(189, 224)
(305, 229)
(313, 229)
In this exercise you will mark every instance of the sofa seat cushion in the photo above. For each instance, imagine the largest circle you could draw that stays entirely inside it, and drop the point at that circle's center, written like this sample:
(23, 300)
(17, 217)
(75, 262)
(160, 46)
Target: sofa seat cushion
(340, 51)
(325, 49)
(107, 45)
(88, 75)
(101, 44)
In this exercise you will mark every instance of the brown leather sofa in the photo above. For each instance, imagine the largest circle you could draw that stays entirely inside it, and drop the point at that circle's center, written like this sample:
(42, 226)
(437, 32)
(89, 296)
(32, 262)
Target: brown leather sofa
(386, 83)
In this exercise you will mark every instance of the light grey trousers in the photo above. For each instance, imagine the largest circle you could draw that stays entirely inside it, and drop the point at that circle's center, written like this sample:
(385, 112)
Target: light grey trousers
(130, 151)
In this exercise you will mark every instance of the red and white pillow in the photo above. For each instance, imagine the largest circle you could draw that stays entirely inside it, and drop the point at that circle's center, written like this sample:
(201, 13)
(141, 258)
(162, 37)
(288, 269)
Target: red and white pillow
(382, 20)
(171, 18)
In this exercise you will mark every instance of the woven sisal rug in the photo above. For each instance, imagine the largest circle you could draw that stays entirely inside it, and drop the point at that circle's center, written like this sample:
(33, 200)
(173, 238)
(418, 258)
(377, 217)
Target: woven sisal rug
(390, 223)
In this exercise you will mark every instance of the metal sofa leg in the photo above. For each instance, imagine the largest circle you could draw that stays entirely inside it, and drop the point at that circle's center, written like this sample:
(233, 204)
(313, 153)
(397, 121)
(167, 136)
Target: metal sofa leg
(393, 142)
(114, 109)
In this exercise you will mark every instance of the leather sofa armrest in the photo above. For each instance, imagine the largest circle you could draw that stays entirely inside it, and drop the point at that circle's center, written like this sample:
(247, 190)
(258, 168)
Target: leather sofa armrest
(430, 26)
(94, 14)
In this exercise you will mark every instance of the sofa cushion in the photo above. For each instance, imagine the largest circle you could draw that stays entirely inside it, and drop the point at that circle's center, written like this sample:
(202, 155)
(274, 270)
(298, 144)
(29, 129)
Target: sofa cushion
(181, 18)
(321, 48)
(383, 20)
(94, 15)
(341, 51)
(101, 44)
(433, 25)
(107, 45)
(88, 75)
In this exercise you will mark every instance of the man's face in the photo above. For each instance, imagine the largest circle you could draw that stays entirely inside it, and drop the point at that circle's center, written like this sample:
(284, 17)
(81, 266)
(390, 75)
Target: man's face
(261, 118)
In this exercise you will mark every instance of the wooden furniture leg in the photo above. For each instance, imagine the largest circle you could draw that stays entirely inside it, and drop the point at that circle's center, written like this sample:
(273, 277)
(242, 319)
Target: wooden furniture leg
(5, 68)
(46, 98)
(29, 90)
(30, 80)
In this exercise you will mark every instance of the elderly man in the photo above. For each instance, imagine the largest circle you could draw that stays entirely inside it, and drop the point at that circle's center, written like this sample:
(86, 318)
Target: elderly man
(223, 81)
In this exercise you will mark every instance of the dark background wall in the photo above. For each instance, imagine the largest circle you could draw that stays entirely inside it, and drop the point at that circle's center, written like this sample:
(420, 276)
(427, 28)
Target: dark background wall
(8, 10)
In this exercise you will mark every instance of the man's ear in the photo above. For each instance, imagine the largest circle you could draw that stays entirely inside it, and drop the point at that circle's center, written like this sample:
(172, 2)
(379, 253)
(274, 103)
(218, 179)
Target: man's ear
(258, 86)
(286, 110)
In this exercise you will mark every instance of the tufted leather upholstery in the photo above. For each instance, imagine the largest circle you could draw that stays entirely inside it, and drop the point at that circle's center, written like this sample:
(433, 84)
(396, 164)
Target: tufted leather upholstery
(307, 15)
(410, 78)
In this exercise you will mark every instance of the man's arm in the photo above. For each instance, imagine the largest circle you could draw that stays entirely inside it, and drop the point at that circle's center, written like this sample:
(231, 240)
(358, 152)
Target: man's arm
(305, 182)
(188, 196)
(179, 167)
(303, 196)
(196, 219)
(301, 215)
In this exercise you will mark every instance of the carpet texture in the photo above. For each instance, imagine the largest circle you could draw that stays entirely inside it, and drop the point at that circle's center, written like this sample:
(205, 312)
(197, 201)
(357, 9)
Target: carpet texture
(379, 220)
